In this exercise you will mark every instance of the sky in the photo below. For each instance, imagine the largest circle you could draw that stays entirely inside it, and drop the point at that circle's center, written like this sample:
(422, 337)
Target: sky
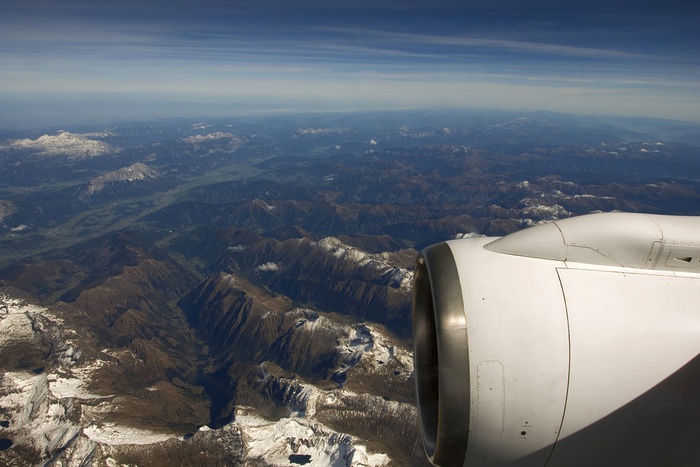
(591, 57)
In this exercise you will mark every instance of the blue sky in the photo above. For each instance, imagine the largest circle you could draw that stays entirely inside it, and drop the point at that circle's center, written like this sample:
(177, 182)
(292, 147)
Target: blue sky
(588, 57)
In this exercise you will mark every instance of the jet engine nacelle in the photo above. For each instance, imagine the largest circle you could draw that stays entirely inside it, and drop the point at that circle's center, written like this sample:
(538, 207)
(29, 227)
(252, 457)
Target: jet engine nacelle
(570, 343)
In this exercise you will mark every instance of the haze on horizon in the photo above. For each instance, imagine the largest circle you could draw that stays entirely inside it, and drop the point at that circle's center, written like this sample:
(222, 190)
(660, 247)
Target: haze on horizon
(158, 58)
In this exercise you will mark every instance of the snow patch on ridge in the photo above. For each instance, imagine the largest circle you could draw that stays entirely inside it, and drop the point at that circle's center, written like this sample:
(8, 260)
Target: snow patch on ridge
(275, 441)
(546, 212)
(460, 236)
(366, 344)
(321, 131)
(15, 328)
(17, 322)
(209, 137)
(66, 387)
(111, 434)
(37, 420)
(397, 277)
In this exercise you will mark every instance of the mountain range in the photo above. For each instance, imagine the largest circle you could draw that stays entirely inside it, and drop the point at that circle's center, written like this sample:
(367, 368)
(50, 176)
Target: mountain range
(238, 291)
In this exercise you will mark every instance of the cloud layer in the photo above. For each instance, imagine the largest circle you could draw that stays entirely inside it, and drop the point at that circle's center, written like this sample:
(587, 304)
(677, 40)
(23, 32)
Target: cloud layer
(597, 57)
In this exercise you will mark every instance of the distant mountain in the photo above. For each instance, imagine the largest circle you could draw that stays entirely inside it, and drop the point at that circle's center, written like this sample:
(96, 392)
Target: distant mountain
(230, 141)
(134, 173)
(65, 143)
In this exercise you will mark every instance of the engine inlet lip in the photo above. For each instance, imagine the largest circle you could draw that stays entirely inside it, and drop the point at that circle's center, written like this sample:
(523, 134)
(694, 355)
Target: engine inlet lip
(441, 356)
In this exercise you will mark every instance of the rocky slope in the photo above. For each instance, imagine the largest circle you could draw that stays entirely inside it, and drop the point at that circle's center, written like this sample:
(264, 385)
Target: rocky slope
(354, 378)
(329, 275)
(111, 370)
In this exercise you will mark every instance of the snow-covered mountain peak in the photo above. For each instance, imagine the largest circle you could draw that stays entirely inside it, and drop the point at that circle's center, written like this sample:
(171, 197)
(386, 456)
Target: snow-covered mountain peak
(400, 277)
(64, 143)
(134, 172)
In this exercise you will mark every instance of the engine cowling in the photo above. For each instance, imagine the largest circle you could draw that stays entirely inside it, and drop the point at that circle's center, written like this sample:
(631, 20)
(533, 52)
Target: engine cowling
(570, 343)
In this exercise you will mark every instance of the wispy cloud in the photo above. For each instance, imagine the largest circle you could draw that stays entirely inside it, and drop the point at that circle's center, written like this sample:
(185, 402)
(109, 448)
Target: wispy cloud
(394, 53)
(411, 40)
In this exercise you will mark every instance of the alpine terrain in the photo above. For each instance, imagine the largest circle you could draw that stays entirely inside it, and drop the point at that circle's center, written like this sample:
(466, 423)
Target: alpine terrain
(237, 291)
